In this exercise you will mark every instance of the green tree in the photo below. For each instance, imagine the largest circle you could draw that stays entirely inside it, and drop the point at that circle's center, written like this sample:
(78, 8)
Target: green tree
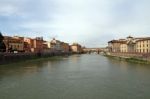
(2, 45)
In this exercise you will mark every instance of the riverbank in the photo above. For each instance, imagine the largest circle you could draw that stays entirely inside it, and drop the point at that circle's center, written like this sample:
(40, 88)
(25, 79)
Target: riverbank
(7, 58)
(129, 58)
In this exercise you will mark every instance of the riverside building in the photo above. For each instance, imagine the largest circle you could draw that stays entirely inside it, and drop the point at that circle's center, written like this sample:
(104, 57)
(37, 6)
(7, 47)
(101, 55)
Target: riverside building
(130, 45)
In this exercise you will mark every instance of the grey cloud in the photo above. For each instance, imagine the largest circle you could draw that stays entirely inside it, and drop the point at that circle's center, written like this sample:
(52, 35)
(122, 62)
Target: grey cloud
(89, 22)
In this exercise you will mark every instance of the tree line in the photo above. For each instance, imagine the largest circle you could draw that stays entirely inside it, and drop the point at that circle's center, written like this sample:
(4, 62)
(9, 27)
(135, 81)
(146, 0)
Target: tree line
(2, 44)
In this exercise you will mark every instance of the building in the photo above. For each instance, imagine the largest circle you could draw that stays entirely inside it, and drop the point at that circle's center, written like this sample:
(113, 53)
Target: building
(38, 44)
(45, 46)
(76, 48)
(29, 42)
(13, 44)
(123, 47)
(114, 45)
(130, 45)
(55, 45)
(65, 47)
(34, 45)
(143, 45)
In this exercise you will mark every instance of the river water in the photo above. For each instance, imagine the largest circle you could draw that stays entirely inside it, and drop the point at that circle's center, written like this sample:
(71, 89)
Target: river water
(75, 77)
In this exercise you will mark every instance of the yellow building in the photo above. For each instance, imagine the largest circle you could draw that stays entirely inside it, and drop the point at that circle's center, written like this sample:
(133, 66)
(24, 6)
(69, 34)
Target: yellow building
(130, 45)
(123, 47)
(76, 48)
(143, 45)
(114, 45)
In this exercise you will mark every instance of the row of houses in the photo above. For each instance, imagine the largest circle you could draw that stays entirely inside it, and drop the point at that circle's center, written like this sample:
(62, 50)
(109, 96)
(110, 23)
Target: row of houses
(130, 44)
(38, 44)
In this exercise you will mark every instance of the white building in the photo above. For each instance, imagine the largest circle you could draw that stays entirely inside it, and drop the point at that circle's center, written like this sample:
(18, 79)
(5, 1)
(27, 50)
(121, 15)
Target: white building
(55, 45)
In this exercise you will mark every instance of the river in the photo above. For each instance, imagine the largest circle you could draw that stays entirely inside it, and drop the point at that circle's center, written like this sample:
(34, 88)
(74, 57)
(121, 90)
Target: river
(75, 77)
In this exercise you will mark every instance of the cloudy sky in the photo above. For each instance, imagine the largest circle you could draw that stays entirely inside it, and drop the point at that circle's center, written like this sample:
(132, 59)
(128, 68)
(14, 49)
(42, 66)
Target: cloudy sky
(89, 22)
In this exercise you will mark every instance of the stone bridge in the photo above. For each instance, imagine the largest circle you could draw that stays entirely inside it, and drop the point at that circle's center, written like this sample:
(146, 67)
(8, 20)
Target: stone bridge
(93, 50)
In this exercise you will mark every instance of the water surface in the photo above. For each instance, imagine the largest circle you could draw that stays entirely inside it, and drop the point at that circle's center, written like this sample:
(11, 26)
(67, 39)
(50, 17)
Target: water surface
(75, 77)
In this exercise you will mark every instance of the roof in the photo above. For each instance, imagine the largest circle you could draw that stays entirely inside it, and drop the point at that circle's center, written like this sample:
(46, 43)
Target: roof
(143, 39)
(75, 44)
(117, 41)
(129, 36)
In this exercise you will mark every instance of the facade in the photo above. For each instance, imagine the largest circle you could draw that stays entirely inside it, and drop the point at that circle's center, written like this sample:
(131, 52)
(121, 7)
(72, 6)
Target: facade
(76, 48)
(65, 47)
(123, 47)
(27, 47)
(45, 46)
(34, 45)
(130, 45)
(38, 44)
(143, 45)
(29, 42)
(114, 45)
(55, 45)
(23, 44)
(13, 44)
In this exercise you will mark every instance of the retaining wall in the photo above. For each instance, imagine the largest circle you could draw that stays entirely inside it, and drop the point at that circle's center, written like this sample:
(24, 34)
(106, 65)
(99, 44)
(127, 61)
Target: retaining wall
(142, 56)
(15, 57)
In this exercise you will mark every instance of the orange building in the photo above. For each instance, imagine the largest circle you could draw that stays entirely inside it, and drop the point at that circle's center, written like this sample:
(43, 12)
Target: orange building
(45, 46)
(29, 42)
(65, 47)
(13, 44)
(38, 44)
(35, 45)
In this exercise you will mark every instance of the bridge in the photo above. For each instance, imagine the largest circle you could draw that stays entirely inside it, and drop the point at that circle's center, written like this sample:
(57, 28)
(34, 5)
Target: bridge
(94, 50)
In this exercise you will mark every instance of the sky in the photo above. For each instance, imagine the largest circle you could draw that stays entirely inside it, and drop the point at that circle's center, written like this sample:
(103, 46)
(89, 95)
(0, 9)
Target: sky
(92, 23)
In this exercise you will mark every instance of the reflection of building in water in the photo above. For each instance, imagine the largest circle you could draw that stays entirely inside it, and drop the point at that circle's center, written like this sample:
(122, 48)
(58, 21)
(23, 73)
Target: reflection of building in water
(75, 58)
(24, 69)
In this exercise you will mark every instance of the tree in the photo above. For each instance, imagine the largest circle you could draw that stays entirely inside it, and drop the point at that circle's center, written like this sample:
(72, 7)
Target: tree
(1, 37)
(2, 45)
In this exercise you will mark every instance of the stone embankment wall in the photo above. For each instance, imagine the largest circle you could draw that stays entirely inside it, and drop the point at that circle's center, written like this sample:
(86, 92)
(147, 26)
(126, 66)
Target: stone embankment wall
(142, 56)
(6, 58)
